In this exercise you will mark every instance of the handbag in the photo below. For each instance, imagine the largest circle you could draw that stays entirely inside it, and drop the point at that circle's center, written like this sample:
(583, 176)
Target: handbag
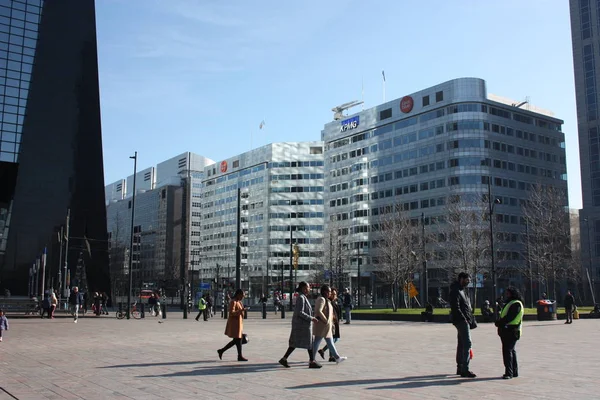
(245, 338)
(473, 324)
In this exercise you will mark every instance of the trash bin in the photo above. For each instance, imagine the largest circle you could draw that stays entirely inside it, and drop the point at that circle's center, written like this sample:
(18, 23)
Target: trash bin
(546, 310)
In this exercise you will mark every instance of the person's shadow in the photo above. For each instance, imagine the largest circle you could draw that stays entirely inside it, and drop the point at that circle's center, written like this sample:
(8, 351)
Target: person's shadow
(400, 383)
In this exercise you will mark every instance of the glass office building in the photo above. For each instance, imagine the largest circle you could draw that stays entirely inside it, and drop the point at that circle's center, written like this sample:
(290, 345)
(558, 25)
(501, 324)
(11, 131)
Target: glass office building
(416, 151)
(50, 140)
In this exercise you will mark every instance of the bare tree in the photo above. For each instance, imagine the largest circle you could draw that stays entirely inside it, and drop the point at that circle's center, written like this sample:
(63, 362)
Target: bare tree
(397, 249)
(466, 236)
(548, 238)
(336, 253)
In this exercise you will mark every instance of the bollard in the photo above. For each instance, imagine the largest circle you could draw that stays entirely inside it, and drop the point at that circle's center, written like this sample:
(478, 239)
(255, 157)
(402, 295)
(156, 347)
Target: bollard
(224, 312)
(264, 310)
(246, 312)
(142, 313)
(282, 311)
(164, 310)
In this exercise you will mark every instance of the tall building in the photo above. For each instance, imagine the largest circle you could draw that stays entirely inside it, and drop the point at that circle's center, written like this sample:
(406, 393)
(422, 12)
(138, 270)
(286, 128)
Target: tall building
(280, 205)
(585, 34)
(51, 143)
(167, 205)
(416, 152)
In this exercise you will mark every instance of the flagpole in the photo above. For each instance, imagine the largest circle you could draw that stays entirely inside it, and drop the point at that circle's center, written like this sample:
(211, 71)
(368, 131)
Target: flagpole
(383, 74)
(44, 274)
(66, 238)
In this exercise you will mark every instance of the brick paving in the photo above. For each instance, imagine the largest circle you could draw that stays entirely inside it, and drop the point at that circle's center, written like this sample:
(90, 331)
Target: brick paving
(106, 358)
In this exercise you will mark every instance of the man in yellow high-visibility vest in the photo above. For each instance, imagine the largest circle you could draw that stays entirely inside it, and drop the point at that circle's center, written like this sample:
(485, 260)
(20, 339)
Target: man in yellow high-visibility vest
(202, 310)
(510, 328)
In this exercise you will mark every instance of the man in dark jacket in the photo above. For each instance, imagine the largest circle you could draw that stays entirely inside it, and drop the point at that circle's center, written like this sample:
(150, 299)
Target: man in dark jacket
(75, 301)
(569, 303)
(462, 319)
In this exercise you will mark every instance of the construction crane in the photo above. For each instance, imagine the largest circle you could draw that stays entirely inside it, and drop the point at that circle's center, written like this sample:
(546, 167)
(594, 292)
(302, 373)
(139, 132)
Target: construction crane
(339, 110)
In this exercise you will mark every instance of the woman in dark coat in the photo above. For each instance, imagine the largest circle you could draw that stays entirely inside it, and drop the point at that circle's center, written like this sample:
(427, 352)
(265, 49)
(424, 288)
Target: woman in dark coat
(235, 325)
(337, 314)
(301, 334)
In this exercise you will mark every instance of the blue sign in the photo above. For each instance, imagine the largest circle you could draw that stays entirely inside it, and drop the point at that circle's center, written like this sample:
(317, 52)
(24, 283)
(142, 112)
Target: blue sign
(349, 123)
(204, 286)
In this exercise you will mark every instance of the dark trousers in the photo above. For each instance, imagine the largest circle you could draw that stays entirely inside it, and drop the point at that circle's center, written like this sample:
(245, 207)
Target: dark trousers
(204, 313)
(509, 341)
(569, 312)
(234, 342)
(463, 347)
(290, 350)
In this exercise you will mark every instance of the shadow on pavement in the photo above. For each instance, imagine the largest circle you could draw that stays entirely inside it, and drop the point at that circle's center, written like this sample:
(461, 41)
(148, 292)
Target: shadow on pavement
(226, 369)
(158, 364)
(449, 381)
(407, 382)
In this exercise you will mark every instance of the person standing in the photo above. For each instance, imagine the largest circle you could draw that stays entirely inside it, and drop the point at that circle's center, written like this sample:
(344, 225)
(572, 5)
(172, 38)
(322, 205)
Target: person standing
(322, 329)
(53, 303)
(510, 327)
(463, 320)
(347, 301)
(337, 315)
(3, 323)
(75, 302)
(569, 303)
(104, 302)
(202, 305)
(301, 335)
(235, 325)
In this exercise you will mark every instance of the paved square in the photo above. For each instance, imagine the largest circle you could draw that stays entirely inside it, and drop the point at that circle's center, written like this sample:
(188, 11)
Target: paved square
(106, 358)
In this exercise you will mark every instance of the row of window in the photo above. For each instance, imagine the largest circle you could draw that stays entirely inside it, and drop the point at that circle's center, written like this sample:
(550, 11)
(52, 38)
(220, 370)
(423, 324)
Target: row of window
(307, 214)
(287, 177)
(298, 189)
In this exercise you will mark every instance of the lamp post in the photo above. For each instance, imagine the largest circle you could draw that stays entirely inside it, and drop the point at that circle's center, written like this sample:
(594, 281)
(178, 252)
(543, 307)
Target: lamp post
(291, 267)
(491, 205)
(425, 283)
(529, 261)
(134, 157)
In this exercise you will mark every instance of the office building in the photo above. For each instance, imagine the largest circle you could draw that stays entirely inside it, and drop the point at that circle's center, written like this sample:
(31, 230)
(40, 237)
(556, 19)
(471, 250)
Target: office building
(281, 205)
(50, 143)
(167, 205)
(585, 34)
(415, 152)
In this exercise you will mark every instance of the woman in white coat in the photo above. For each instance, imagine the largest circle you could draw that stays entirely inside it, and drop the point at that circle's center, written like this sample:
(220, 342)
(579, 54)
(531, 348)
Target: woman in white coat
(322, 329)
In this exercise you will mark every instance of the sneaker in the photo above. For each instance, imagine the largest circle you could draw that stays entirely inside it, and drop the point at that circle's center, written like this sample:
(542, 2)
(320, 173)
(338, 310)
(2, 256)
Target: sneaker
(468, 374)
(75, 321)
(284, 362)
(0, 339)
(341, 359)
(506, 376)
(314, 364)
(331, 359)
(322, 354)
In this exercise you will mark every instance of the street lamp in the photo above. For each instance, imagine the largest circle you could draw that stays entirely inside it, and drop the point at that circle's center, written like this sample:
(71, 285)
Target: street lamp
(491, 205)
(425, 283)
(134, 157)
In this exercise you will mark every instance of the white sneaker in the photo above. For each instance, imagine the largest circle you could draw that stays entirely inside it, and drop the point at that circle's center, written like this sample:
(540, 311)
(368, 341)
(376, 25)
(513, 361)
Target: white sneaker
(75, 321)
(340, 359)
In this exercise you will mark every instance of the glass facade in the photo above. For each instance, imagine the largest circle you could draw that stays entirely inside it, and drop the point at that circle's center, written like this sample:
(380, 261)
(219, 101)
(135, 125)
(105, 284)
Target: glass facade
(19, 23)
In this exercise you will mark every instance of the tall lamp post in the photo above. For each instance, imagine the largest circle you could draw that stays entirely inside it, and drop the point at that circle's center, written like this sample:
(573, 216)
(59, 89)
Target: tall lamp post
(425, 286)
(491, 205)
(592, 287)
(134, 157)
(291, 267)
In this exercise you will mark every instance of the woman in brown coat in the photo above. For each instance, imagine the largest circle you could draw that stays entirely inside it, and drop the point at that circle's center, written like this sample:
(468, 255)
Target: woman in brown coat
(235, 325)
(322, 329)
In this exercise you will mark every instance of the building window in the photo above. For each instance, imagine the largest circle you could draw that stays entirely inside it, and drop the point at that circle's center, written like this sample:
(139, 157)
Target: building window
(316, 150)
(236, 164)
(425, 100)
(385, 114)
(439, 96)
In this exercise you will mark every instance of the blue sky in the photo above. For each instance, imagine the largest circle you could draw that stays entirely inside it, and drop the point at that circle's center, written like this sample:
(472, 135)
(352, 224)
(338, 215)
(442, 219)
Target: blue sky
(195, 75)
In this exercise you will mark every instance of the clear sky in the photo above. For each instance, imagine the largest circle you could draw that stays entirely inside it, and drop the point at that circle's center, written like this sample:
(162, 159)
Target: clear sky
(200, 75)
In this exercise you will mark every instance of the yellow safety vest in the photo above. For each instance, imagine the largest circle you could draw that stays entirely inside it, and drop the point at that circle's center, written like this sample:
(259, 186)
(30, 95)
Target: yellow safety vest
(201, 304)
(518, 321)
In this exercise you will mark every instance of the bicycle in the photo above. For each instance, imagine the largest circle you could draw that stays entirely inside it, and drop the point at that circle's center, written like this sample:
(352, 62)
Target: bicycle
(134, 312)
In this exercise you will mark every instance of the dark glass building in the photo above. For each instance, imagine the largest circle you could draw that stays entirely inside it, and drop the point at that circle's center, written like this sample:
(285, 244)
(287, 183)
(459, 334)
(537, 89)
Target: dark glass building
(50, 143)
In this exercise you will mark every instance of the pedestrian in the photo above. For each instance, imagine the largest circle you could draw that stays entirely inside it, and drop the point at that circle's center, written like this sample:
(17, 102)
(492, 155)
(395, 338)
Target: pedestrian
(510, 328)
(235, 325)
(202, 308)
(276, 301)
(347, 302)
(104, 301)
(463, 320)
(53, 303)
(152, 304)
(569, 303)
(46, 304)
(209, 305)
(75, 302)
(3, 323)
(97, 303)
(337, 315)
(322, 329)
(301, 335)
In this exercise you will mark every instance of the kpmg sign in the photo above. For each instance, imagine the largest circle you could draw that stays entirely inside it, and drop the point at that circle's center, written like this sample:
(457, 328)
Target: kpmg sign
(349, 123)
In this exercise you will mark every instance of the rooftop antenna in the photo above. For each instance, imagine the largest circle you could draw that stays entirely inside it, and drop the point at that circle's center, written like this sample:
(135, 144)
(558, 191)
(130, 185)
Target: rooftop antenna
(339, 110)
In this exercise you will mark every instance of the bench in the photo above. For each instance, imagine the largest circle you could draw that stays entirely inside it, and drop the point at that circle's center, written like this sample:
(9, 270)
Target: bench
(17, 306)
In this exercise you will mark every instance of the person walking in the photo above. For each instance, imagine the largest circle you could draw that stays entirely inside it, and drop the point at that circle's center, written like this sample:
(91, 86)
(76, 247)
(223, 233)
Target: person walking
(53, 303)
(463, 320)
(301, 335)
(235, 325)
(3, 323)
(75, 303)
(202, 308)
(337, 315)
(322, 329)
(510, 327)
(569, 303)
(104, 302)
(347, 301)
